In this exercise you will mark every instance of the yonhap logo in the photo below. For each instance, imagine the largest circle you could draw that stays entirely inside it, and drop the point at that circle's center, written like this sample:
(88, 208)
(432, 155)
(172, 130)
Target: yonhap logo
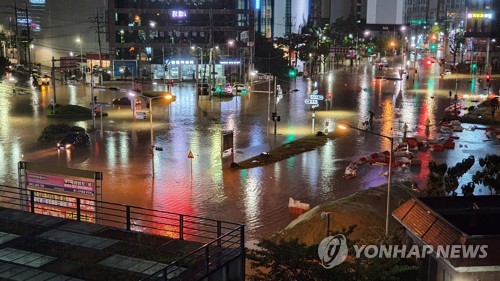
(332, 250)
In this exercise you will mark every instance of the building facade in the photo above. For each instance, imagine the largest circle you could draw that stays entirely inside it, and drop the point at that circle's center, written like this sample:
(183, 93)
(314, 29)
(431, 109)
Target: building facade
(164, 39)
(482, 33)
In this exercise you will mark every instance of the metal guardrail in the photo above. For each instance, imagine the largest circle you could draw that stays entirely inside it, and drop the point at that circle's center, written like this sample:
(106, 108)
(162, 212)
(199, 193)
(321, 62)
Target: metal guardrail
(224, 241)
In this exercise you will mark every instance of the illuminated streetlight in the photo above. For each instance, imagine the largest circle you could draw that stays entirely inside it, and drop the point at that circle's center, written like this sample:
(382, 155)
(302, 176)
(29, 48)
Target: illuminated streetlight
(81, 57)
(345, 126)
(168, 96)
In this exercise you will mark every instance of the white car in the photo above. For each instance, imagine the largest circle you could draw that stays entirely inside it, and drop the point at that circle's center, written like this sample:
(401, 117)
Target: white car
(240, 88)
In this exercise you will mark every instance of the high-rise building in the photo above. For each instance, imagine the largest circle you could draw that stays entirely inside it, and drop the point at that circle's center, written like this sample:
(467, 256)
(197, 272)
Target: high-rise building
(173, 36)
(278, 18)
(482, 30)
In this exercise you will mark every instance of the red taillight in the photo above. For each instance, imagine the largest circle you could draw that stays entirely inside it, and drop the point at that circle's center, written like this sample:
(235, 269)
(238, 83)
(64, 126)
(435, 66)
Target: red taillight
(429, 62)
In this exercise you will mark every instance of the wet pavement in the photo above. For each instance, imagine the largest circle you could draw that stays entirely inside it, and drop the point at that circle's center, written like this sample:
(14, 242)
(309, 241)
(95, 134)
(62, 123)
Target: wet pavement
(256, 197)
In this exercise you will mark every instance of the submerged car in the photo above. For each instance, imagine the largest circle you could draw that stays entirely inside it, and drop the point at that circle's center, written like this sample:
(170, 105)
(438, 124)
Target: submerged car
(122, 101)
(73, 140)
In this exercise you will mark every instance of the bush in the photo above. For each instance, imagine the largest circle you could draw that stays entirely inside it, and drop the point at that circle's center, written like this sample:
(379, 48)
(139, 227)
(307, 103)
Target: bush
(51, 132)
(73, 110)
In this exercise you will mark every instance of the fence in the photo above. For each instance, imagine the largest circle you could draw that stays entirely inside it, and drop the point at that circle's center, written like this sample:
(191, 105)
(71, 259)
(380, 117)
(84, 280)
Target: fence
(224, 241)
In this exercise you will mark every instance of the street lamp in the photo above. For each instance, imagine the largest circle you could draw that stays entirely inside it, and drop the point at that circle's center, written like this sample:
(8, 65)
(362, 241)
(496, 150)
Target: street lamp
(345, 126)
(194, 48)
(81, 57)
(168, 96)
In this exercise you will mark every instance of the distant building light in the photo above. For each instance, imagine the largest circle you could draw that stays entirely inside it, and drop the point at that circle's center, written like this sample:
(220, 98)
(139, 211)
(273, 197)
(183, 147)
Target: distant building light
(230, 62)
(179, 14)
(480, 15)
(177, 62)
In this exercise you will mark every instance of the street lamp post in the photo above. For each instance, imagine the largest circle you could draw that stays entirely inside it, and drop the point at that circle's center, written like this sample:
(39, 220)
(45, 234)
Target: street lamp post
(345, 126)
(194, 48)
(79, 41)
(149, 100)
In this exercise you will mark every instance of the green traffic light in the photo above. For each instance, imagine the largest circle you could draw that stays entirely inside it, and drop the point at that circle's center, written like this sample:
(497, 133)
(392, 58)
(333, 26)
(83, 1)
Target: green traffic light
(244, 92)
(369, 50)
(292, 73)
(218, 90)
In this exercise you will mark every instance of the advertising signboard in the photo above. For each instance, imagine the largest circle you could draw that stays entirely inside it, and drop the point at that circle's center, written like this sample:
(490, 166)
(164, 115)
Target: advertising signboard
(58, 191)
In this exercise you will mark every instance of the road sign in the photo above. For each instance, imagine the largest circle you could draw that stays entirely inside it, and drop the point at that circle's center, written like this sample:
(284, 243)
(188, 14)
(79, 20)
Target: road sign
(308, 101)
(316, 97)
(190, 155)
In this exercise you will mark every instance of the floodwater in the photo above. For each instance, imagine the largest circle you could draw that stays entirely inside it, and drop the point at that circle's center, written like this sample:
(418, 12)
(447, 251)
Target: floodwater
(256, 197)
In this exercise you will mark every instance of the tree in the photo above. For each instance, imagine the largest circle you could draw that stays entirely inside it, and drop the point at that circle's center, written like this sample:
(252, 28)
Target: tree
(4, 62)
(443, 180)
(295, 261)
(269, 58)
(489, 176)
(341, 28)
(290, 43)
(456, 43)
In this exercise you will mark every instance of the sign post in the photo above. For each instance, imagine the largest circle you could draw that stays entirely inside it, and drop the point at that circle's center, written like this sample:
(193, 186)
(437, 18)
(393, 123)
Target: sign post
(191, 156)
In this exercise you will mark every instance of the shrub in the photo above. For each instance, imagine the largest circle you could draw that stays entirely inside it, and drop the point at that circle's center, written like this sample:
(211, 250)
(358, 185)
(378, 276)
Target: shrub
(51, 132)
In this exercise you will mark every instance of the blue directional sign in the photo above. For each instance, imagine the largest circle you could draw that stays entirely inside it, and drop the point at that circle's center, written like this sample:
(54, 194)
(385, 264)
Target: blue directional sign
(315, 92)
(316, 97)
(308, 101)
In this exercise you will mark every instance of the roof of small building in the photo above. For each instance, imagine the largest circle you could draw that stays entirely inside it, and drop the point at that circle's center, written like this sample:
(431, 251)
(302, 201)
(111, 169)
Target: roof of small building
(455, 221)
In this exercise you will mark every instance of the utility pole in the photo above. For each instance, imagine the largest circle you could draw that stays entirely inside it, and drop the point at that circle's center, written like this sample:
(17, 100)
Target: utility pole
(53, 75)
(97, 28)
(28, 44)
(212, 67)
(17, 33)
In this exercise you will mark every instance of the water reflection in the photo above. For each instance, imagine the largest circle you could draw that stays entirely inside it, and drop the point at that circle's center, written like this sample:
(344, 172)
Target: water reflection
(257, 197)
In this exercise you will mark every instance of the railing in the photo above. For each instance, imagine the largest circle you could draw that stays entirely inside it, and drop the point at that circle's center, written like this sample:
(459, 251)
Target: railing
(224, 240)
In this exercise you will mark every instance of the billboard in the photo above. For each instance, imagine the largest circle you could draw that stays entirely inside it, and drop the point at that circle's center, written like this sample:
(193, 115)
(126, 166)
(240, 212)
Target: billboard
(384, 12)
(58, 191)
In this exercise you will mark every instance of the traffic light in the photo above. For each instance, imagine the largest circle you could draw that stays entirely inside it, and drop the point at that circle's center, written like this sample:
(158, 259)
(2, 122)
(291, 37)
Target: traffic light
(166, 67)
(95, 99)
(369, 50)
(172, 83)
(292, 73)
(218, 90)
(244, 92)
(433, 46)
(488, 78)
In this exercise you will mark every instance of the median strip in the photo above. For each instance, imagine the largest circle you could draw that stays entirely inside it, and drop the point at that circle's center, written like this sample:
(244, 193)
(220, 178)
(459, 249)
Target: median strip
(286, 150)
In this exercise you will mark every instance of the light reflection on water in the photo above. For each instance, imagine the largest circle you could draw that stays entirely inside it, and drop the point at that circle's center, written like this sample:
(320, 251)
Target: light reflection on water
(257, 197)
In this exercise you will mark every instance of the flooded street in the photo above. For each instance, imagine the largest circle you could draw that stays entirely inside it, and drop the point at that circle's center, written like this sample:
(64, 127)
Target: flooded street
(256, 197)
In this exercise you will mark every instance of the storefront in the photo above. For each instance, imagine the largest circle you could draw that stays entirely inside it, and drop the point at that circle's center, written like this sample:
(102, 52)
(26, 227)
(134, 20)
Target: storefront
(185, 70)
